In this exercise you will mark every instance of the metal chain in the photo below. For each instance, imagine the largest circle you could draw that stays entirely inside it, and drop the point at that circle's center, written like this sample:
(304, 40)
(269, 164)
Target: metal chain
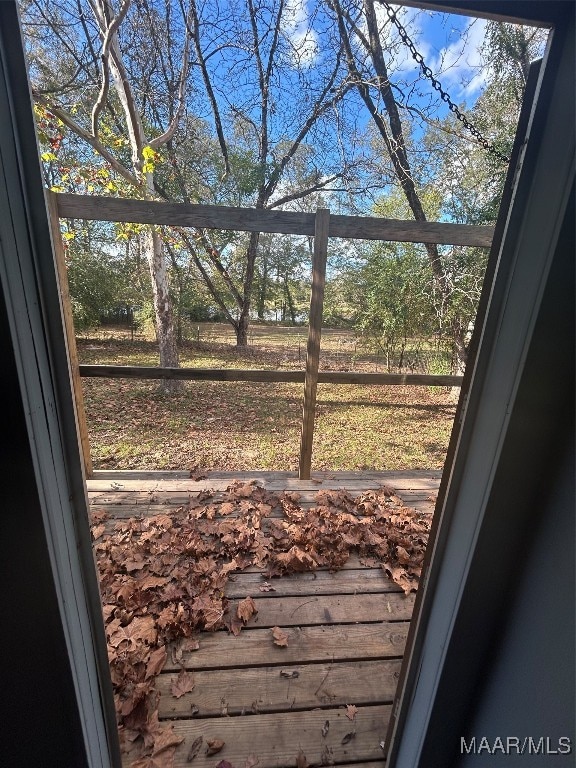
(427, 72)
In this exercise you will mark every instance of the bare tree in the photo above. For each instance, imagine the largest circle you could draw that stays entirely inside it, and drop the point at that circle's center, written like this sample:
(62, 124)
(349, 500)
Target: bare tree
(360, 35)
(114, 95)
(255, 45)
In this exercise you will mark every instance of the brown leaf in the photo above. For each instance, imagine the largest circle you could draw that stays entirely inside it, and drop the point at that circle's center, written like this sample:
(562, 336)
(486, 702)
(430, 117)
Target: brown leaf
(348, 737)
(156, 662)
(280, 637)
(266, 587)
(235, 625)
(251, 761)
(224, 764)
(97, 531)
(246, 609)
(190, 644)
(184, 683)
(301, 761)
(351, 710)
(149, 582)
(140, 629)
(403, 556)
(243, 490)
(213, 746)
(194, 749)
(161, 759)
(166, 739)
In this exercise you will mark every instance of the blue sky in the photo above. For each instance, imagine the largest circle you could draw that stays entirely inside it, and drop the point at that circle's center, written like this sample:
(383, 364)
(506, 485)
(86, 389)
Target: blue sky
(451, 46)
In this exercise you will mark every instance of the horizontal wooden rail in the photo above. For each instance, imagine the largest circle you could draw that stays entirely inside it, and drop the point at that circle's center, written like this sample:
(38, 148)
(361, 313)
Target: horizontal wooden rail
(250, 220)
(284, 377)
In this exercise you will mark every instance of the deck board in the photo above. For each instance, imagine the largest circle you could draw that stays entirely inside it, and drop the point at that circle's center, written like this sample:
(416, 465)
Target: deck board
(346, 635)
(276, 739)
(307, 610)
(290, 687)
(342, 582)
(332, 642)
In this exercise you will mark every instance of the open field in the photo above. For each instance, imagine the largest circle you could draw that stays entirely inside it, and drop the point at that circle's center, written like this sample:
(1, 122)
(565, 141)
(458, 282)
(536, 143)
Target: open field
(250, 426)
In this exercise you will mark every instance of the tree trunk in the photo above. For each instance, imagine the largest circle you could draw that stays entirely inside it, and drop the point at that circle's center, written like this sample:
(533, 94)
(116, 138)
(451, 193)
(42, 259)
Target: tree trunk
(263, 287)
(244, 319)
(289, 300)
(162, 308)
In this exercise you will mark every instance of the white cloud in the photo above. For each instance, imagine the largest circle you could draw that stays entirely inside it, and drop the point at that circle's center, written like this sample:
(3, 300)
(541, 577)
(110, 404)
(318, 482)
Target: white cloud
(456, 64)
(459, 65)
(296, 26)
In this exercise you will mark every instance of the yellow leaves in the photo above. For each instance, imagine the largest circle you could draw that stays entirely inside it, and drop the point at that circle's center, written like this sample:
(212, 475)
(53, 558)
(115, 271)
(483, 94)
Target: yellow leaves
(150, 158)
(48, 157)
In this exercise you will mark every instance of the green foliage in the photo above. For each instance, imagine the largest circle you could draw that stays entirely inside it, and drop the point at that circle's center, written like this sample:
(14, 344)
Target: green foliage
(100, 276)
(394, 299)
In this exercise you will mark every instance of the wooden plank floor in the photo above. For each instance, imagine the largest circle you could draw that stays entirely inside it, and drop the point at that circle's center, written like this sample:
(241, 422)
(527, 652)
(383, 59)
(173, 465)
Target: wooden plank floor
(346, 636)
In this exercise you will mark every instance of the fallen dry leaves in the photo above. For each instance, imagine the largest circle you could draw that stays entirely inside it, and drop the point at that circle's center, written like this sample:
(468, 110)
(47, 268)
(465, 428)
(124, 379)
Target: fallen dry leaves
(213, 746)
(280, 637)
(351, 710)
(162, 579)
(183, 684)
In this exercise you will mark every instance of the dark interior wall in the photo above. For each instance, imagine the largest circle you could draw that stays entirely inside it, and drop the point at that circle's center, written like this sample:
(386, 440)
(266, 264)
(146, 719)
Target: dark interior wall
(39, 723)
(528, 685)
(529, 690)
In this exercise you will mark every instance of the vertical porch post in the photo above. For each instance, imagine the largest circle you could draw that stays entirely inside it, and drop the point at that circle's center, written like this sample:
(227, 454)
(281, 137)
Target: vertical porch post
(314, 334)
(69, 331)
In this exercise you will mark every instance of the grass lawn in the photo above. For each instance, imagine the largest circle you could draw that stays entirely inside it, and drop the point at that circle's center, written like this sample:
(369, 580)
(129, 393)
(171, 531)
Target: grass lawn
(249, 426)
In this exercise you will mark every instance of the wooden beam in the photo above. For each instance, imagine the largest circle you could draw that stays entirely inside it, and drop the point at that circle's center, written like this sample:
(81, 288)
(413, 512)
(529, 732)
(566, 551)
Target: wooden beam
(314, 336)
(69, 333)
(513, 11)
(255, 375)
(284, 222)
(184, 215)
(189, 374)
(441, 233)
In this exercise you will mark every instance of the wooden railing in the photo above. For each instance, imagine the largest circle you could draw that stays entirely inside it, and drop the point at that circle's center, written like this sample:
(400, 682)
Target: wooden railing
(255, 375)
(322, 225)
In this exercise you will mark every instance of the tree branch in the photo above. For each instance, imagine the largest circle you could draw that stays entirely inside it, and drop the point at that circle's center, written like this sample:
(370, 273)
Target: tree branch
(303, 192)
(206, 277)
(112, 28)
(208, 85)
(102, 10)
(95, 143)
(319, 108)
(169, 132)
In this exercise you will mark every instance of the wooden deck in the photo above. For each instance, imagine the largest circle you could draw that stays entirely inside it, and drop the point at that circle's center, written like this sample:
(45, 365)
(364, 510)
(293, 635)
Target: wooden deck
(346, 635)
